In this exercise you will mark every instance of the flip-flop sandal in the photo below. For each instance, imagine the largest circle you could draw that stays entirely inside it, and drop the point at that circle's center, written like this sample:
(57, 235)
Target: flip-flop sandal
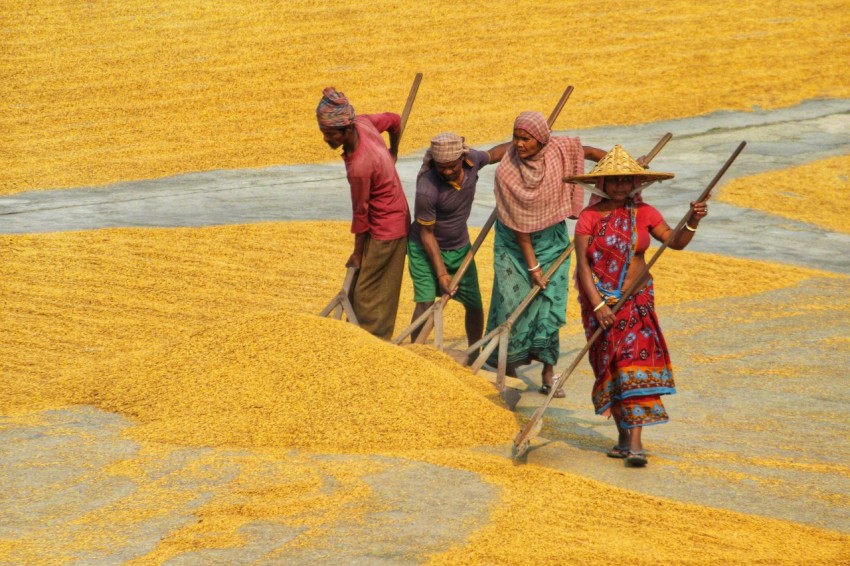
(546, 388)
(636, 459)
(617, 452)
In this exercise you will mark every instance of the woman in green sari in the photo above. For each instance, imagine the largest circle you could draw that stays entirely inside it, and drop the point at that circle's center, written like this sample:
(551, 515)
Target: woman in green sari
(532, 203)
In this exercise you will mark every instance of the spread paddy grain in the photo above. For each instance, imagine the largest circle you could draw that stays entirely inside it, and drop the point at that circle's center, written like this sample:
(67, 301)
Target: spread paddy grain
(813, 193)
(205, 339)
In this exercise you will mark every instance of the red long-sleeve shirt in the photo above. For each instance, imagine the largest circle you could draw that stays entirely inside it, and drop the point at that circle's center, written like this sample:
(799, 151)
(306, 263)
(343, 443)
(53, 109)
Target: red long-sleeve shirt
(377, 198)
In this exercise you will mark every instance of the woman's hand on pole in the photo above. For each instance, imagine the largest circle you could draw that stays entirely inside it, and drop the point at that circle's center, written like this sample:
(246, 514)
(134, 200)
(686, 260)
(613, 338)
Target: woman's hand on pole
(605, 316)
(538, 278)
(699, 210)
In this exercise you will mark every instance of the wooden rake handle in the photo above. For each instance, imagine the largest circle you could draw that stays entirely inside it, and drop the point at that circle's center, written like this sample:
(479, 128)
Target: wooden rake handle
(560, 106)
(531, 428)
(414, 88)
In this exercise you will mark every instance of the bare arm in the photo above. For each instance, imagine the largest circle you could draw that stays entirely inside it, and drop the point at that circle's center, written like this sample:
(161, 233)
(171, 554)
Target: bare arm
(496, 153)
(585, 279)
(603, 313)
(432, 250)
(524, 241)
(360, 187)
(593, 153)
(663, 233)
(357, 255)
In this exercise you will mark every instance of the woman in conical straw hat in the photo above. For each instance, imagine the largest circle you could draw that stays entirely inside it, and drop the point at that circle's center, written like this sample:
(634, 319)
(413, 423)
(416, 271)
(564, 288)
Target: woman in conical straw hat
(532, 204)
(630, 360)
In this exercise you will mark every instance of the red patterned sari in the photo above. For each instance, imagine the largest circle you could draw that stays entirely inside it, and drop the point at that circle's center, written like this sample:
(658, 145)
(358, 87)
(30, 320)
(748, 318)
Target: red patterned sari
(630, 360)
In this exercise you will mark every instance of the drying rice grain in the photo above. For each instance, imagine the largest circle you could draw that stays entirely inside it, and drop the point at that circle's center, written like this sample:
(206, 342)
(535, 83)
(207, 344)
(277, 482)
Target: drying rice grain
(94, 94)
(809, 193)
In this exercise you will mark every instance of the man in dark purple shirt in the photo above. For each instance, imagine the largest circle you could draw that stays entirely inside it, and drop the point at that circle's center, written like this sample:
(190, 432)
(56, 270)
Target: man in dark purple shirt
(439, 238)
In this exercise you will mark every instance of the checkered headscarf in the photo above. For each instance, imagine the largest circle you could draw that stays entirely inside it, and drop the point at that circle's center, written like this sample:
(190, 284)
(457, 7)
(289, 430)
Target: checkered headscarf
(445, 148)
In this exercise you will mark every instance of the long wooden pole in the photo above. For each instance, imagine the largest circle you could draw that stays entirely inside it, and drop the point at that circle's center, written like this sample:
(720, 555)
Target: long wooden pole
(522, 441)
(414, 88)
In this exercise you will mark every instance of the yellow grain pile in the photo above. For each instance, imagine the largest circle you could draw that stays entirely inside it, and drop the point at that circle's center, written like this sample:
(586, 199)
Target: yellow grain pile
(74, 299)
(98, 92)
(815, 193)
(149, 323)
(287, 380)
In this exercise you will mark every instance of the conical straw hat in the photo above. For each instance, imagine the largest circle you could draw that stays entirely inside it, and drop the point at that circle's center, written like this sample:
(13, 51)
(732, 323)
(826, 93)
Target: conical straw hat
(617, 163)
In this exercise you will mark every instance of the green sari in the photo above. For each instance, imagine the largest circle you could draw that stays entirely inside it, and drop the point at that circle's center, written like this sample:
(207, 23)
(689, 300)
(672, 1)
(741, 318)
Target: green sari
(534, 335)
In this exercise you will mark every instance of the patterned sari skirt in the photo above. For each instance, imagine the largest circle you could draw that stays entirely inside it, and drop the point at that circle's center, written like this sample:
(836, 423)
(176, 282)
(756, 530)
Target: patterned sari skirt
(630, 362)
(534, 335)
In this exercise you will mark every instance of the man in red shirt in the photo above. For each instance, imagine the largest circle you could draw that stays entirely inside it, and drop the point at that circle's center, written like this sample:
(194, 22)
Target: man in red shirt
(380, 213)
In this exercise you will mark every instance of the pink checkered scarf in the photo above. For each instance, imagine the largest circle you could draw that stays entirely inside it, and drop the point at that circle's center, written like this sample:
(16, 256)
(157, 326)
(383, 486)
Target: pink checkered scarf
(531, 194)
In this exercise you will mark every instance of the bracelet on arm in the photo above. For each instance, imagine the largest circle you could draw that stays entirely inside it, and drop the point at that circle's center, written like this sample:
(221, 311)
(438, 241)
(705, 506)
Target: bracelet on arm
(688, 226)
(599, 306)
(535, 268)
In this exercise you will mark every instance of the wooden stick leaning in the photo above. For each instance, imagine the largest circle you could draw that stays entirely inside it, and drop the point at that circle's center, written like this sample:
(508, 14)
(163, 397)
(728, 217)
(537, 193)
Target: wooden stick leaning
(405, 114)
(341, 303)
(503, 330)
(433, 316)
(522, 441)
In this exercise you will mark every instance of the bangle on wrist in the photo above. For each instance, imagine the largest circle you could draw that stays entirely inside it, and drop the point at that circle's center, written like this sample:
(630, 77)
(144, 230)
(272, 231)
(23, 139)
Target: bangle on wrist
(599, 306)
(535, 268)
(688, 226)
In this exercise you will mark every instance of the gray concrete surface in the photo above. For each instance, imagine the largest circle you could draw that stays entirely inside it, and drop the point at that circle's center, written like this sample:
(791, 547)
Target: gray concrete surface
(778, 139)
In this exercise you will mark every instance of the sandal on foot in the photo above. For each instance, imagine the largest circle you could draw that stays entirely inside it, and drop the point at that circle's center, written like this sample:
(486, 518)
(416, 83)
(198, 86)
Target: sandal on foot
(617, 452)
(547, 387)
(636, 459)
